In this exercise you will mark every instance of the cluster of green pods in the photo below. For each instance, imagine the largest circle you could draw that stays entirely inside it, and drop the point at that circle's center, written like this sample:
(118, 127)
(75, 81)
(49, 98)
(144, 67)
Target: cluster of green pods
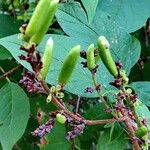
(40, 21)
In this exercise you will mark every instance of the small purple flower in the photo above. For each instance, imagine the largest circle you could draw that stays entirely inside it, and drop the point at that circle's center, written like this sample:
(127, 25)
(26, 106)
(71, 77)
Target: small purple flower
(117, 83)
(44, 128)
(133, 97)
(121, 96)
(89, 90)
(31, 84)
(144, 121)
(118, 106)
(118, 65)
(77, 130)
(83, 54)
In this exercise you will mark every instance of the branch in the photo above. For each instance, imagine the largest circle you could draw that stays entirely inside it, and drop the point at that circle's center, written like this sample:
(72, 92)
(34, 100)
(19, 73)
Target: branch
(9, 72)
(74, 116)
(131, 133)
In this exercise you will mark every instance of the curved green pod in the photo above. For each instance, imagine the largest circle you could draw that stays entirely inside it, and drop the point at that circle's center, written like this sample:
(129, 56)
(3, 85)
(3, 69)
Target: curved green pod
(47, 58)
(38, 17)
(69, 65)
(47, 21)
(90, 57)
(104, 52)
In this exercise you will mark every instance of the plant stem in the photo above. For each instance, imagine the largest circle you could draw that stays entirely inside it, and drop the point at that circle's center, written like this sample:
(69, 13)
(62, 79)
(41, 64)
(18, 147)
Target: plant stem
(8, 72)
(99, 94)
(56, 101)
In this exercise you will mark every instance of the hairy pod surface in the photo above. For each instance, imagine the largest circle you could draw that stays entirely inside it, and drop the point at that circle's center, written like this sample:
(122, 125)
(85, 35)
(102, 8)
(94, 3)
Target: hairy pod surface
(47, 57)
(69, 65)
(47, 21)
(38, 17)
(104, 52)
(90, 57)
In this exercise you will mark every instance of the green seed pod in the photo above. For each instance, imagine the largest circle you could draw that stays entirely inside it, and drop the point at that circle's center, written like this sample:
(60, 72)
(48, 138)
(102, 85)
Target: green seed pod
(37, 38)
(69, 65)
(23, 37)
(47, 57)
(142, 131)
(61, 118)
(104, 52)
(38, 17)
(90, 57)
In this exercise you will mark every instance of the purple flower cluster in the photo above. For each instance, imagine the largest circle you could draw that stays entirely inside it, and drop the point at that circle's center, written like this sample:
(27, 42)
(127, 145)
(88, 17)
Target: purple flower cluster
(117, 83)
(133, 97)
(44, 128)
(77, 130)
(118, 65)
(34, 59)
(89, 90)
(31, 84)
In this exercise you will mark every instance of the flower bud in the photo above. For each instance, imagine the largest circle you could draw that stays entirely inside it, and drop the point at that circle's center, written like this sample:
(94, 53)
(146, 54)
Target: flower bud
(124, 77)
(60, 95)
(58, 88)
(129, 90)
(53, 89)
(49, 98)
(69, 65)
(104, 52)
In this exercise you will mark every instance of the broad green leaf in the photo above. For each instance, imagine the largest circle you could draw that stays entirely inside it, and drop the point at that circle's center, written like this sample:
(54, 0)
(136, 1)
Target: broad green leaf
(8, 25)
(123, 46)
(143, 91)
(116, 142)
(4, 54)
(143, 112)
(93, 132)
(12, 44)
(14, 114)
(56, 139)
(90, 6)
(129, 14)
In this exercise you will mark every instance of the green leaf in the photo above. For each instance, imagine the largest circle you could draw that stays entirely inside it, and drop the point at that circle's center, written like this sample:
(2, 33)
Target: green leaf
(14, 114)
(90, 6)
(56, 139)
(142, 89)
(116, 142)
(93, 132)
(143, 112)
(12, 44)
(4, 54)
(8, 25)
(123, 46)
(127, 13)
